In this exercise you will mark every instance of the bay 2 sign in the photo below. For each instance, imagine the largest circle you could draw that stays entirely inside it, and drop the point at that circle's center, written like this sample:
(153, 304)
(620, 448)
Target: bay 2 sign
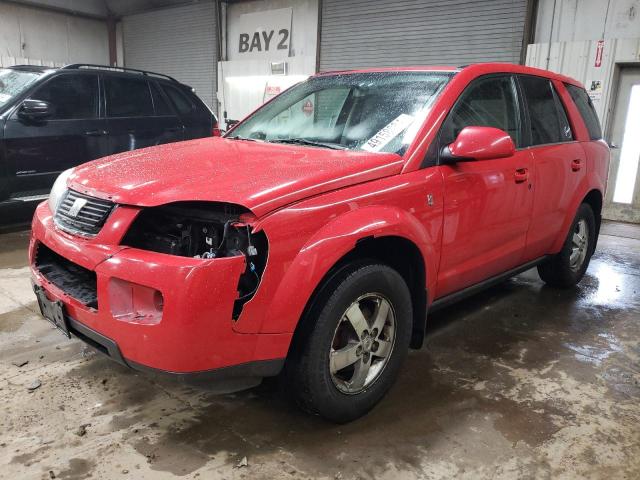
(258, 42)
(262, 34)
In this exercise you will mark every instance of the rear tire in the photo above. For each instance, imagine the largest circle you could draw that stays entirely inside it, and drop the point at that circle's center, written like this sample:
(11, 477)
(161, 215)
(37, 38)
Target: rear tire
(566, 268)
(351, 344)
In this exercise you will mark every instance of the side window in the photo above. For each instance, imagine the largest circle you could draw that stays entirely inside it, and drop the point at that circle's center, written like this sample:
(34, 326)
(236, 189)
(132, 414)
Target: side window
(160, 104)
(183, 104)
(548, 118)
(585, 107)
(71, 96)
(487, 102)
(128, 97)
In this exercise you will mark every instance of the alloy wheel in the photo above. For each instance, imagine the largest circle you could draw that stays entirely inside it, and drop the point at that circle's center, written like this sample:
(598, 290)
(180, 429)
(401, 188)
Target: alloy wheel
(362, 343)
(579, 245)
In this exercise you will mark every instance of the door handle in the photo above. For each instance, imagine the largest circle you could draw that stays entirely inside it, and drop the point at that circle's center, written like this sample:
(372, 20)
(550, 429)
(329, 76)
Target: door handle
(576, 164)
(172, 129)
(521, 175)
(96, 133)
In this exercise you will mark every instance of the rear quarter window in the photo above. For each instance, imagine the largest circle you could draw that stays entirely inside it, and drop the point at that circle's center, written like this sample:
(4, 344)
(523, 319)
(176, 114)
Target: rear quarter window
(587, 111)
(181, 101)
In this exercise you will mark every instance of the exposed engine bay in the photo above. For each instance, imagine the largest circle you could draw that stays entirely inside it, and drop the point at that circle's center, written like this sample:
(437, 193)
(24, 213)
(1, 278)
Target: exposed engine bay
(204, 230)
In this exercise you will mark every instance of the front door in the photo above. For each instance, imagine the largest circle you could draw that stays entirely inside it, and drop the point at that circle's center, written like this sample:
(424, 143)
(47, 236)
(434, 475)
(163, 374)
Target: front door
(74, 133)
(487, 203)
(623, 191)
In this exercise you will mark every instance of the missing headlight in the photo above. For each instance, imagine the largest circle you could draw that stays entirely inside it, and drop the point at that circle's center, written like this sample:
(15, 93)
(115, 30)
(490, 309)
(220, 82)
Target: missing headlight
(204, 230)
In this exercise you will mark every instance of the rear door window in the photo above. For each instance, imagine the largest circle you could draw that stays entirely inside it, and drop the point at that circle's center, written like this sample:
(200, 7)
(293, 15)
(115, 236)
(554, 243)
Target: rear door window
(71, 96)
(548, 119)
(587, 111)
(487, 102)
(128, 97)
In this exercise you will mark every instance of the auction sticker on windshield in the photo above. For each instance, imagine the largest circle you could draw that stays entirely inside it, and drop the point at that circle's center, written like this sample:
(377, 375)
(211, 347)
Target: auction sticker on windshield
(388, 133)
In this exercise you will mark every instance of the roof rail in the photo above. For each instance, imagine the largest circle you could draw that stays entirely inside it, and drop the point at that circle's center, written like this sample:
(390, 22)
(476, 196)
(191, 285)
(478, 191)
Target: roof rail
(116, 69)
(34, 68)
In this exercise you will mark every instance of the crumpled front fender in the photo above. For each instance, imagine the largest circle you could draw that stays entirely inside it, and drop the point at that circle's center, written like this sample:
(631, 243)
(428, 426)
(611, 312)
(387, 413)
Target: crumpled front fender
(327, 246)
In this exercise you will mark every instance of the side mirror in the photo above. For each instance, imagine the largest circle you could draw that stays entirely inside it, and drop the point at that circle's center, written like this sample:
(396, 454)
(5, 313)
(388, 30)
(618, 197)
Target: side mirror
(35, 110)
(479, 143)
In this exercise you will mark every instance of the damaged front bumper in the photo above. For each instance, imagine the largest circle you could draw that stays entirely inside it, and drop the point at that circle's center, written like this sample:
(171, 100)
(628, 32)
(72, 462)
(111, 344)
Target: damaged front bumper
(148, 310)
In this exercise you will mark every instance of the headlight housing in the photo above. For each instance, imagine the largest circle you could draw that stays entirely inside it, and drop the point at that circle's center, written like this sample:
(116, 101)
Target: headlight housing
(205, 230)
(58, 190)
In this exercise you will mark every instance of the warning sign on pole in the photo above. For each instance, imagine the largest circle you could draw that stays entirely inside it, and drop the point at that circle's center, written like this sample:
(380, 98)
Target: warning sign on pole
(599, 50)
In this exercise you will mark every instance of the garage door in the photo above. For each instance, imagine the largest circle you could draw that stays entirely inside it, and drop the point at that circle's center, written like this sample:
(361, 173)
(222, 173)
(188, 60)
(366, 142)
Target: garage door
(374, 33)
(180, 42)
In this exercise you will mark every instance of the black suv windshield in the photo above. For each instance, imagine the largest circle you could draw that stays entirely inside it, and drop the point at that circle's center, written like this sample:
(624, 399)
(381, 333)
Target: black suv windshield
(14, 82)
(377, 112)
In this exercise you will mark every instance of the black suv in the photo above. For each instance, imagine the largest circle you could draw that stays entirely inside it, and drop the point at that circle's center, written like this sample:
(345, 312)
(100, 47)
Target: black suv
(53, 119)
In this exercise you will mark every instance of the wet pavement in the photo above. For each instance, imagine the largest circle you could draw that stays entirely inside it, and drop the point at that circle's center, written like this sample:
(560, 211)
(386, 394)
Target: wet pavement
(520, 381)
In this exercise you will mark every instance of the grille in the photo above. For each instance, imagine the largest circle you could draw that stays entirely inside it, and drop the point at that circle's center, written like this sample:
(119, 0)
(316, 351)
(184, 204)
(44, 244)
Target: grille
(71, 278)
(82, 214)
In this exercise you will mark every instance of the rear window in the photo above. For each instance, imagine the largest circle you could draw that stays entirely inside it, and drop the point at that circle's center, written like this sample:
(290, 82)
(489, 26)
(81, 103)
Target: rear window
(549, 123)
(585, 107)
(128, 97)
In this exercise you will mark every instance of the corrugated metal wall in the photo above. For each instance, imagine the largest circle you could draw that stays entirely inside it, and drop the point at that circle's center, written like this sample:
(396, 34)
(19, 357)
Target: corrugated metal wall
(372, 33)
(181, 42)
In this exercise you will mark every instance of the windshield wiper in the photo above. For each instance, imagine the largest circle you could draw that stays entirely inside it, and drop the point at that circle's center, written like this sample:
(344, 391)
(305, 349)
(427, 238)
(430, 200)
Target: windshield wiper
(311, 143)
(238, 137)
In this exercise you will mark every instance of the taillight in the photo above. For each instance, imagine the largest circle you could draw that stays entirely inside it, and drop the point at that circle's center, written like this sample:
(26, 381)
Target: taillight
(216, 129)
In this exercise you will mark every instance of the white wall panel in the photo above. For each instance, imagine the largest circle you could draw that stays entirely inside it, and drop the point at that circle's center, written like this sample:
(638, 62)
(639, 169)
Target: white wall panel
(36, 35)
(574, 20)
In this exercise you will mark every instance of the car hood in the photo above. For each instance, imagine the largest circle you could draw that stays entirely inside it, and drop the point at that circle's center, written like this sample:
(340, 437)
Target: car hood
(257, 175)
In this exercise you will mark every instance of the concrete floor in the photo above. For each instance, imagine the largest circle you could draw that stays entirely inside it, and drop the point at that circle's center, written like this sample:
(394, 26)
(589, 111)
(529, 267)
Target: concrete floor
(521, 381)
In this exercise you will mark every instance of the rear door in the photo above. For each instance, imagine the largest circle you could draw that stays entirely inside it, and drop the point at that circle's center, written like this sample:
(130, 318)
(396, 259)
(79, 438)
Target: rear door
(559, 163)
(487, 203)
(136, 117)
(74, 133)
(197, 119)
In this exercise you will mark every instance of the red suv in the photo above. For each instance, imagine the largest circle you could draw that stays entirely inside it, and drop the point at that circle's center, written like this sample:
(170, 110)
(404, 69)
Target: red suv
(315, 237)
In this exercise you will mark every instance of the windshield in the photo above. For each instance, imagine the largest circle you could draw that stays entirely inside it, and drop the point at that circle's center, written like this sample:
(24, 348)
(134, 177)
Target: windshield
(377, 112)
(14, 82)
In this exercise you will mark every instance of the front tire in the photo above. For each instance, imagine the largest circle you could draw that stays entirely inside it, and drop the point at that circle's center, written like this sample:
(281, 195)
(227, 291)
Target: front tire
(352, 343)
(566, 268)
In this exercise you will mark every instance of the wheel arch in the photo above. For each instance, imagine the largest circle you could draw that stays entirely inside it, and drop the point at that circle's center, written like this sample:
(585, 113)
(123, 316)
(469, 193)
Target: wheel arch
(396, 252)
(594, 198)
(385, 235)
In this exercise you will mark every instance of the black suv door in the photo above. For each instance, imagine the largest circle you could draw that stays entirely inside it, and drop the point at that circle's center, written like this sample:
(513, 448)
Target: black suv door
(135, 117)
(38, 150)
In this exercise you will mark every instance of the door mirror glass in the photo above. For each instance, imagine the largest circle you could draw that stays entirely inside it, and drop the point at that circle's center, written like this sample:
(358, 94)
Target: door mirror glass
(35, 110)
(479, 143)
